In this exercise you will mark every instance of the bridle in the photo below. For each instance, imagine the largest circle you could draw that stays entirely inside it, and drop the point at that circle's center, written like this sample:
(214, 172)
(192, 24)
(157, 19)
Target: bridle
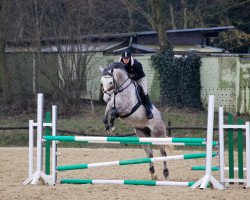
(115, 88)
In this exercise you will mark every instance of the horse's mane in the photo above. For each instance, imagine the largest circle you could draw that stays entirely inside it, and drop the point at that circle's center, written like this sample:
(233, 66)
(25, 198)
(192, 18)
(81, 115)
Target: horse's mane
(114, 65)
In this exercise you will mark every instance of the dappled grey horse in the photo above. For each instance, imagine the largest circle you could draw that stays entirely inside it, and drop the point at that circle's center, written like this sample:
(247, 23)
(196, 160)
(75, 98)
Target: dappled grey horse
(123, 100)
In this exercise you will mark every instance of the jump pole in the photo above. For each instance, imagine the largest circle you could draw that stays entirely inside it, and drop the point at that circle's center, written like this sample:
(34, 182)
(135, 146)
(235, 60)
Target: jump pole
(124, 139)
(214, 168)
(130, 140)
(133, 161)
(203, 182)
(126, 182)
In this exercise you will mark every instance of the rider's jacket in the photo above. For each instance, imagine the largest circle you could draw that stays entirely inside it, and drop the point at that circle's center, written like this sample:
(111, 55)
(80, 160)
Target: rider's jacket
(134, 69)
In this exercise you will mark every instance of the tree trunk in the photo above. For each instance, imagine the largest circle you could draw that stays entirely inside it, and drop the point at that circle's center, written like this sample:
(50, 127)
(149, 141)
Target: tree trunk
(157, 6)
(38, 48)
(172, 16)
(4, 73)
(184, 14)
(130, 15)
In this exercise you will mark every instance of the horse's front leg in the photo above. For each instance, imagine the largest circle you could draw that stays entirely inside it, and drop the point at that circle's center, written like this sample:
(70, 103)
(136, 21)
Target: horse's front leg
(106, 117)
(114, 114)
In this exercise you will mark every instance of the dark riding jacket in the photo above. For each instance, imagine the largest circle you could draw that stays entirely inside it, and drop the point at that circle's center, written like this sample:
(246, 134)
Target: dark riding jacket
(134, 69)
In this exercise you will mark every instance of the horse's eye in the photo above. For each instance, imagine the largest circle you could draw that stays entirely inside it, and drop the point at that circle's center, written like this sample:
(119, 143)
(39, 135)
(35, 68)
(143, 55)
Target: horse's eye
(110, 83)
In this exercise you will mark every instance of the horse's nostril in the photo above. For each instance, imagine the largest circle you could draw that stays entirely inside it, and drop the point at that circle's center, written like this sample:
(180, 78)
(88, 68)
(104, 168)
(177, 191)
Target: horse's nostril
(110, 83)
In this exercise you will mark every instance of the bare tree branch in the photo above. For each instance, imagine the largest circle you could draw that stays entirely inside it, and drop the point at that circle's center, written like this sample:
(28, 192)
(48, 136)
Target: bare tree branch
(229, 7)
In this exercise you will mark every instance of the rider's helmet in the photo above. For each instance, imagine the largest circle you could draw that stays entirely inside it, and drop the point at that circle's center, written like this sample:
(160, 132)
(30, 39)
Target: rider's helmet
(126, 54)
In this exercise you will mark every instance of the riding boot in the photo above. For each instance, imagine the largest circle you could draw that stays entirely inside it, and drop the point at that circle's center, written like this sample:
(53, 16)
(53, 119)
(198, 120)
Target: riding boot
(148, 106)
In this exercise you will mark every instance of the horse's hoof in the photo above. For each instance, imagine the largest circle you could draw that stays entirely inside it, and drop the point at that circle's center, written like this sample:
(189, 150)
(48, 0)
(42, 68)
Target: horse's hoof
(154, 177)
(165, 173)
(109, 131)
(112, 129)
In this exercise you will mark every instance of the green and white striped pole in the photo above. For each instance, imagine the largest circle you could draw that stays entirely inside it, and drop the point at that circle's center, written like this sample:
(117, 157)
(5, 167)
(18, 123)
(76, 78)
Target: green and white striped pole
(134, 161)
(132, 140)
(127, 182)
(215, 168)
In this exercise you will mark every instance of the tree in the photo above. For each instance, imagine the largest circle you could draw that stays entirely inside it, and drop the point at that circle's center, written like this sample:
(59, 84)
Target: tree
(235, 41)
(153, 13)
(6, 20)
(65, 30)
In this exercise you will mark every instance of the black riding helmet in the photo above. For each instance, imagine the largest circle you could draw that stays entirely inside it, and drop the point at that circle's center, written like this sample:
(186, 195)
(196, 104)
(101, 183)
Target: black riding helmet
(126, 54)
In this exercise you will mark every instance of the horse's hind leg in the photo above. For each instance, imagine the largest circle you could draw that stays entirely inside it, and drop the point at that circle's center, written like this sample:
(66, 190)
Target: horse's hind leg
(164, 154)
(148, 150)
(161, 133)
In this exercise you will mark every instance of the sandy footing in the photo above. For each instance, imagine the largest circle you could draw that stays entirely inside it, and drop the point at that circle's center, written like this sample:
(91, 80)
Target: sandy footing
(14, 170)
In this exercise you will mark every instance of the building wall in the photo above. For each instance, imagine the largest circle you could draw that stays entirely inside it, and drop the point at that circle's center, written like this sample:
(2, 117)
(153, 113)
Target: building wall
(228, 78)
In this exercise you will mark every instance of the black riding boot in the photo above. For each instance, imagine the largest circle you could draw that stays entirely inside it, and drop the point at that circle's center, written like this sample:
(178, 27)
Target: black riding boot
(148, 106)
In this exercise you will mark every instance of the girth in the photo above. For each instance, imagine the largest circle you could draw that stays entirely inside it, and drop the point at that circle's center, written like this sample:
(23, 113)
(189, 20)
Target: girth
(139, 103)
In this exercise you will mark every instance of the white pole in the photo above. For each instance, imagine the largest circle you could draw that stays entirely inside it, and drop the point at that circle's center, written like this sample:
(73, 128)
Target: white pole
(54, 149)
(31, 147)
(209, 147)
(221, 145)
(39, 131)
(248, 153)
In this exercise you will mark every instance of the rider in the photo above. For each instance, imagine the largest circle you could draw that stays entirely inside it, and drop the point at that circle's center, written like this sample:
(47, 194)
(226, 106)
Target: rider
(135, 72)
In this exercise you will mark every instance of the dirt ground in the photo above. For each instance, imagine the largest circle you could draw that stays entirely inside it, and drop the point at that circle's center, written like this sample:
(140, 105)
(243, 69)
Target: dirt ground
(14, 170)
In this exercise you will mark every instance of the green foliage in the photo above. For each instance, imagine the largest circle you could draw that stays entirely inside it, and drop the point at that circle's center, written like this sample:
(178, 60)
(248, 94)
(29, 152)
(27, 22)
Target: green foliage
(166, 68)
(179, 78)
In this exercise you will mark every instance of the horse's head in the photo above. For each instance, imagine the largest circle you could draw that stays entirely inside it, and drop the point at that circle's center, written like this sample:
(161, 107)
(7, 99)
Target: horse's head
(112, 78)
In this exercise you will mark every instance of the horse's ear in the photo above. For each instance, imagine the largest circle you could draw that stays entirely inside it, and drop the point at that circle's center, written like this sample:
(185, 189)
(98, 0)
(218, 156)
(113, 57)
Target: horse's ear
(101, 69)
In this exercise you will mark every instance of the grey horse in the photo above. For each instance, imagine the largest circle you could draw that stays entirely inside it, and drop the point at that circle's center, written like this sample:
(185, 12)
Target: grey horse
(123, 101)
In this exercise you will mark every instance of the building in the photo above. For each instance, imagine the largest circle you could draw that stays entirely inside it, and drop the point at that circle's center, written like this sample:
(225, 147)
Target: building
(231, 73)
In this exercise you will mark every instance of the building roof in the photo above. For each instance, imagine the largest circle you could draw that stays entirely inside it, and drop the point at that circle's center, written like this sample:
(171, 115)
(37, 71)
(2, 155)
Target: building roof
(138, 42)
(93, 47)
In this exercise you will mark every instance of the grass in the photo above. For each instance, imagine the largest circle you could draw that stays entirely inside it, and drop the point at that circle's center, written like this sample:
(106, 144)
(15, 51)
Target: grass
(88, 123)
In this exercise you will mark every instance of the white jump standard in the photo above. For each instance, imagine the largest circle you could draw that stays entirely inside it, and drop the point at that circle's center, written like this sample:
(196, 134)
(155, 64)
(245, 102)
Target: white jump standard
(203, 182)
(39, 174)
(222, 167)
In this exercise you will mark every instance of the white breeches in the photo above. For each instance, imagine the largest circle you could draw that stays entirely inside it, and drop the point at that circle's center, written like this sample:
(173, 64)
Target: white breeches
(143, 83)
